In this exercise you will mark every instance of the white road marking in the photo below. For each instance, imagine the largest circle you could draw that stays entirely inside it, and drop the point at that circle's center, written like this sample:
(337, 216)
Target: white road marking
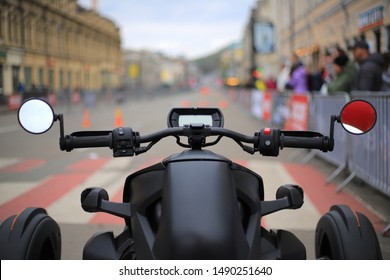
(274, 175)
(11, 190)
(5, 162)
(111, 177)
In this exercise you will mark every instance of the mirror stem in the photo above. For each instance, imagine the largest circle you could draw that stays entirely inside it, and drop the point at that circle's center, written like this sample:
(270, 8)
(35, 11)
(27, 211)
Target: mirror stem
(60, 117)
(333, 118)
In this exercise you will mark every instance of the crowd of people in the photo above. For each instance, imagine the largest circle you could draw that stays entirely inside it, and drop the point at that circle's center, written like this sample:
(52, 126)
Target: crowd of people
(339, 72)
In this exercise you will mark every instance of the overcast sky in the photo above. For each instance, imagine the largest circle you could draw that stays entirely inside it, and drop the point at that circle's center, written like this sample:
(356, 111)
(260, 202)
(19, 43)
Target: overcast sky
(191, 28)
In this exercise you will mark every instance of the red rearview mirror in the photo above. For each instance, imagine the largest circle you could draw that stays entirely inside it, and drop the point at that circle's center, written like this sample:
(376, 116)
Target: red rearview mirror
(358, 117)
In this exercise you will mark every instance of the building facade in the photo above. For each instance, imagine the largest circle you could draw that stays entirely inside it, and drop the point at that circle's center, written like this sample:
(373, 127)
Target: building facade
(313, 28)
(151, 72)
(57, 45)
(260, 41)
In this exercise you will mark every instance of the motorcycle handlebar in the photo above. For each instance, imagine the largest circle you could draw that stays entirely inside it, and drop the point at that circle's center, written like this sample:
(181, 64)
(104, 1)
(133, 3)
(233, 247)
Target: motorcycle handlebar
(125, 142)
(174, 131)
(207, 131)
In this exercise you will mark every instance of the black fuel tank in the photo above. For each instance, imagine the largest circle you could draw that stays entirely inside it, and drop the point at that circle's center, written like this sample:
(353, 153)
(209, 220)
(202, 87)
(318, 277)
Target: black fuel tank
(200, 217)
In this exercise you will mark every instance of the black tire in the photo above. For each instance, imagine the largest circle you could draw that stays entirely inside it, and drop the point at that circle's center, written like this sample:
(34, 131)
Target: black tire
(30, 235)
(342, 234)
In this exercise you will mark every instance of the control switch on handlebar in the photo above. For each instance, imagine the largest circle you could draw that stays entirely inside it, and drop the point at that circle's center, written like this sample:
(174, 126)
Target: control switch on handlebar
(269, 142)
(123, 145)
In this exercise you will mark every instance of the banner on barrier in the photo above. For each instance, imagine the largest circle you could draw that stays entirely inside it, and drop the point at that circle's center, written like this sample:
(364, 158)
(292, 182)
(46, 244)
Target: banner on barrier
(280, 109)
(298, 113)
(257, 100)
(267, 106)
(14, 102)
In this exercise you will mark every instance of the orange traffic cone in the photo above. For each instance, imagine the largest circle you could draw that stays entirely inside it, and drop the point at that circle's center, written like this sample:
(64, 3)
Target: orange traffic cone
(223, 104)
(185, 103)
(86, 119)
(118, 118)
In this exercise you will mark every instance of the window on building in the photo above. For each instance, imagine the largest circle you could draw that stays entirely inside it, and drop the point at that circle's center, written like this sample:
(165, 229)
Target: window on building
(51, 79)
(9, 27)
(105, 78)
(86, 80)
(40, 77)
(61, 78)
(17, 29)
(1, 24)
(13, 26)
(70, 82)
(387, 47)
(58, 39)
(1, 79)
(27, 32)
(78, 78)
(15, 77)
(27, 77)
(39, 34)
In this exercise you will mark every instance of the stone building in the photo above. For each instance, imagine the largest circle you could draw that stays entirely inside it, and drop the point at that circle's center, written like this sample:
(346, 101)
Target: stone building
(57, 45)
(260, 46)
(312, 28)
(150, 72)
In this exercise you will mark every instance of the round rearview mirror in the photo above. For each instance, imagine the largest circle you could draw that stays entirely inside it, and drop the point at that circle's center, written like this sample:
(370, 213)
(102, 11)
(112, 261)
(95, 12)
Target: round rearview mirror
(36, 116)
(358, 117)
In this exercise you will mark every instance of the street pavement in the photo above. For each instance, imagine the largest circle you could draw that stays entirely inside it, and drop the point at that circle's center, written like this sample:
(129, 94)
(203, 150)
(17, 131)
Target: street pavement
(34, 172)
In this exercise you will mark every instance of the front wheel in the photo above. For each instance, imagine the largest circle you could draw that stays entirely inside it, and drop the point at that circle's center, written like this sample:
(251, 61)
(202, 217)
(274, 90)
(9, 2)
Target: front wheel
(30, 235)
(342, 234)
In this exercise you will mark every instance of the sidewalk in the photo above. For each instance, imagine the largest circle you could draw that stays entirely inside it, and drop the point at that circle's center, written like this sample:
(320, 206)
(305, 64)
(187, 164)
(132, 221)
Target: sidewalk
(4, 109)
(368, 196)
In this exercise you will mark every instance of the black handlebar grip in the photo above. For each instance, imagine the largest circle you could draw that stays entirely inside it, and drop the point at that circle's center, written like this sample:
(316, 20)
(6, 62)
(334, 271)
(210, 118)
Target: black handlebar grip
(87, 140)
(319, 143)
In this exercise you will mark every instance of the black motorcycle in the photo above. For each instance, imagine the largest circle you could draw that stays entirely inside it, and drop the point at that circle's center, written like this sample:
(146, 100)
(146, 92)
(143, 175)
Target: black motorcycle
(195, 204)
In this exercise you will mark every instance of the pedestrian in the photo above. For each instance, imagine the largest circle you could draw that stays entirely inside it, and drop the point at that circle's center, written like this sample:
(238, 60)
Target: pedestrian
(298, 76)
(284, 75)
(386, 72)
(327, 64)
(345, 74)
(270, 83)
(34, 92)
(369, 75)
(316, 78)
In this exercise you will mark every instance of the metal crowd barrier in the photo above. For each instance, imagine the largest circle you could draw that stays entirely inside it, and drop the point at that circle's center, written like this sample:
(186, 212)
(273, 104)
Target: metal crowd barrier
(279, 109)
(321, 109)
(370, 153)
(365, 156)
